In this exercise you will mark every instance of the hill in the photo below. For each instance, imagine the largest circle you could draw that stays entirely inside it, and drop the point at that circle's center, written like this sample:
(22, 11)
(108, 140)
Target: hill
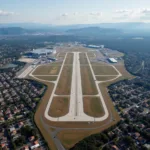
(12, 31)
(94, 31)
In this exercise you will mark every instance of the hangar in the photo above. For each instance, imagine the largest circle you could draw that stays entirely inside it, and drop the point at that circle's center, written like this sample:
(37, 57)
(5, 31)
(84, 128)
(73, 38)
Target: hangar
(112, 60)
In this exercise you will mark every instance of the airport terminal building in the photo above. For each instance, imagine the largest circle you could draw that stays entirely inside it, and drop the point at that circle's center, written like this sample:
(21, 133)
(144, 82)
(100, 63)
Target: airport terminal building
(36, 53)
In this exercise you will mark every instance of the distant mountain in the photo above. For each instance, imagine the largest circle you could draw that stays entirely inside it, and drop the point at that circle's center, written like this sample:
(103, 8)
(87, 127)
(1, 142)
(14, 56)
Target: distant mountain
(26, 25)
(94, 31)
(123, 26)
(12, 31)
(136, 28)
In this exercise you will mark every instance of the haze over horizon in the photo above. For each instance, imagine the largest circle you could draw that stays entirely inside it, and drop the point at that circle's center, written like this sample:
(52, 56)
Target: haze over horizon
(65, 12)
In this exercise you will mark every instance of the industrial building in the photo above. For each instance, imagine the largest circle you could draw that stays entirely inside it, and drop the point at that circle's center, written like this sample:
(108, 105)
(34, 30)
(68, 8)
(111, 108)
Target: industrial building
(36, 53)
(112, 60)
(95, 46)
(42, 51)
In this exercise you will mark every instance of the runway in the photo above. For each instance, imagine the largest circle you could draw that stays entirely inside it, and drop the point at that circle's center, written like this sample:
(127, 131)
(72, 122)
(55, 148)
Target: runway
(25, 72)
(76, 112)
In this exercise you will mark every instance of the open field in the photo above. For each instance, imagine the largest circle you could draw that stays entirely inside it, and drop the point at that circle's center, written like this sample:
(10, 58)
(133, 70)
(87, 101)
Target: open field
(70, 138)
(67, 132)
(122, 69)
(69, 59)
(93, 106)
(61, 54)
(59, 106)
(91, 54)
(104, 70)
(64, 84)
(98, 63)
(56, 63)
(83, 58)
(104, 78)
(27, 60)
(38, 116)
(47, 70)
(88, 83)
(48, 78)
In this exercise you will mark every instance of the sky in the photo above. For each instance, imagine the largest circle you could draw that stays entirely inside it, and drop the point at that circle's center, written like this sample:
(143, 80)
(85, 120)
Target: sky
(65, 12)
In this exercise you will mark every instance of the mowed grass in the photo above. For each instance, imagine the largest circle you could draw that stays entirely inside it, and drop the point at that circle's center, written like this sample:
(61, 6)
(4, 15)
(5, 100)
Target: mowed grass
(69, 58)
(70, 137)
(91, 54)
(93, 107)
(47, 78)
(83, 58)
(104, 70)
(105, 78)
(61, 54)
(88, 83)
(59, 107)
(64, 83)
(47, 70)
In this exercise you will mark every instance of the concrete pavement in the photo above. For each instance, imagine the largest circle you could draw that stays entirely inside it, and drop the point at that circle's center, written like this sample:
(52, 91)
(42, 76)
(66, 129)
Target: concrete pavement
(76, 112)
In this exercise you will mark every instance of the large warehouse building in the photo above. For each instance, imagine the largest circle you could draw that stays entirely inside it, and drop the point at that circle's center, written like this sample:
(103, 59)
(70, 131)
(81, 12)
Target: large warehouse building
(112, 60)
(42, 51)
(39, 52)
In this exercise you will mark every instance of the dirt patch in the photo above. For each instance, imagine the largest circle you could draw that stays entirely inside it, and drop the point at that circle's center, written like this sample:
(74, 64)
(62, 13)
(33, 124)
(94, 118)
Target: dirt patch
(64, 83)
(47, 70)
(47, 78)
(104, 70)
(59, 107)
(88, 83)
(69, 58)
(93, 106)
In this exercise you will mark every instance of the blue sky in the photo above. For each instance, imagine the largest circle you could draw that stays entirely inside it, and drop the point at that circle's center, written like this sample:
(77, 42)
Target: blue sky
(74, 11)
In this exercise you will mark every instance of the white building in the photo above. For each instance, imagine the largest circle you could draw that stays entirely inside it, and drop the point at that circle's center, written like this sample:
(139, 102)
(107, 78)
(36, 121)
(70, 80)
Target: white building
(112, 60)
(102, 46)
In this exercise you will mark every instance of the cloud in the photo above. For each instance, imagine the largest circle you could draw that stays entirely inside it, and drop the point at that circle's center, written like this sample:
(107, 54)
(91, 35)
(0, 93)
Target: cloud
(129, 14)
(6, 13)
(145, 14)
(122, 11)
(64, 15)
(145, 11)
(95, 14)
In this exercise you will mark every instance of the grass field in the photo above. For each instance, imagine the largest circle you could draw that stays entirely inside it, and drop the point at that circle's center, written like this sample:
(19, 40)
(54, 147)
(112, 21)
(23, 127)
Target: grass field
(47, 78)
(47, 70)
(69, 58)
(69, 138)
(59, 107)
(61, 54)
(83, 58)
(38, 115)
(91, 54)
(104, 70)
(64, 83)
(98, 63)
(93, 106)
(104, 78)
(88, 83)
